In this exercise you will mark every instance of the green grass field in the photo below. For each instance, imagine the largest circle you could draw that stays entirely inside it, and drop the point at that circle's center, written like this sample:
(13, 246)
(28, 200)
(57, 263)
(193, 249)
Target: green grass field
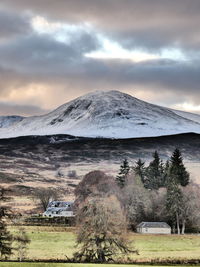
(56, 243)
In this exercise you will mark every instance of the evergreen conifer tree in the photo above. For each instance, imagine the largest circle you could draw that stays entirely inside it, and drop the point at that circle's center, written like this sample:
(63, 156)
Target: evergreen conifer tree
(177, 168)
(166, 173)
(162, 174)
(124, 171)
(5, 236)
(139, 169)
(154, 173)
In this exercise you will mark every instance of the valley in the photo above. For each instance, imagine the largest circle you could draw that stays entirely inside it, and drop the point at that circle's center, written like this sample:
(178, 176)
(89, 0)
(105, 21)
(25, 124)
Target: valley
(61, 161)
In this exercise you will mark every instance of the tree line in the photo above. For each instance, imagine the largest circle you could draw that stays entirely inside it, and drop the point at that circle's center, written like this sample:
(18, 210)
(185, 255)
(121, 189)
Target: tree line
(108, 207)
(167, 188)
(157, 174)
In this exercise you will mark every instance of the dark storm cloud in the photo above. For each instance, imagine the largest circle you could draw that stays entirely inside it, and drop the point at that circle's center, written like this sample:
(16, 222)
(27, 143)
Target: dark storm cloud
(12, 25)
(146, 23)
(31, 59)
(41, 53)
(42, 60)
(180, 78)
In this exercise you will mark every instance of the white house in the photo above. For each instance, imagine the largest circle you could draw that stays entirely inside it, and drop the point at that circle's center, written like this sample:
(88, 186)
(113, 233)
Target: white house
(153, 228)
(59, 209)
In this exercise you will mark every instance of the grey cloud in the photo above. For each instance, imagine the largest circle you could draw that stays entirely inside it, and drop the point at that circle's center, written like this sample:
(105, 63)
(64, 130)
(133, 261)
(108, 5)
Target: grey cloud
(23, 110)
(179, 82)
(11, 79)
(138, 22)
(151, 25)
(40, 59)
(41, 53)
(12, 25)
(168, 75)
(168, 82)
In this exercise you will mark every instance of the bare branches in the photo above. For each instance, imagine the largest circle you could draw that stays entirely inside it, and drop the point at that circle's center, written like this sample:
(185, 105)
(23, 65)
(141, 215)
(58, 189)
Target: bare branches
(102, 230)
(44, 196)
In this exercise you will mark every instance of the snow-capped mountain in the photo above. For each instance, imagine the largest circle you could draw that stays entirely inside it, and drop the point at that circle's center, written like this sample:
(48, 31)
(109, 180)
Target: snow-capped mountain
(109, 114)
(6, 121)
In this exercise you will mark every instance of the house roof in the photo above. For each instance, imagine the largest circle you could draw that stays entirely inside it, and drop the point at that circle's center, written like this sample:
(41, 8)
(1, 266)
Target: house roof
(154, 225)
(59, 204)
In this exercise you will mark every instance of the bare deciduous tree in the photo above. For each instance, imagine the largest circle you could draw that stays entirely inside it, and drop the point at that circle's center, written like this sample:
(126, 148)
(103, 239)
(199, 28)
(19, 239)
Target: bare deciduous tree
(135, 199)
(44, 196)
(95, 182)
(22, 241)
(190, 211)
(157, 210)
(101, 231)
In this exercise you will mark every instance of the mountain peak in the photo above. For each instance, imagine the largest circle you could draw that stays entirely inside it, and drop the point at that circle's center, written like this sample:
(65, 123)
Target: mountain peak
(110, 114)
(104, 93)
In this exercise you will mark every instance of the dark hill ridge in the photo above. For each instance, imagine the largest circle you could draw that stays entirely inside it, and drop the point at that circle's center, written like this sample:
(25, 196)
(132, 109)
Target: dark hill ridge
(95, 149)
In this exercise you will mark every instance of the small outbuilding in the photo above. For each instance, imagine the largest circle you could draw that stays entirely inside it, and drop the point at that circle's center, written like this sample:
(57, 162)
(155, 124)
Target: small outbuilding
(154, 228)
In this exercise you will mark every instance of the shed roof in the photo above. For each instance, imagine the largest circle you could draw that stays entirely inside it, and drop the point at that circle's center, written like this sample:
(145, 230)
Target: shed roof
(154, 225)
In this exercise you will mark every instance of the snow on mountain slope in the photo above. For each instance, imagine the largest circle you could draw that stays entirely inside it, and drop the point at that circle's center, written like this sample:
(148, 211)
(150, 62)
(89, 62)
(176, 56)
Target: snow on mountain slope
(188, 115)
(6, 121)
(105, 114)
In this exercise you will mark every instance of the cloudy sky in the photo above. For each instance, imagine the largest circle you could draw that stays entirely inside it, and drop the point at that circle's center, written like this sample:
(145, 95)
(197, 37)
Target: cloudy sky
(52, 51)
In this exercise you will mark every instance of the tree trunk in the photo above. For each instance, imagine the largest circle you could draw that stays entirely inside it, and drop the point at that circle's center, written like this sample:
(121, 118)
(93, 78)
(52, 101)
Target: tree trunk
(173, 229)
(183, 228)
(100, 252)
(178, 224)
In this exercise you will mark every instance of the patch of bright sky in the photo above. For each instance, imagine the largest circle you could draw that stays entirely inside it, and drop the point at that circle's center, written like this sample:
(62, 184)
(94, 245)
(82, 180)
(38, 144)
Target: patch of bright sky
(188, 107)
(113, 50)
(63, 32)
(59, 31)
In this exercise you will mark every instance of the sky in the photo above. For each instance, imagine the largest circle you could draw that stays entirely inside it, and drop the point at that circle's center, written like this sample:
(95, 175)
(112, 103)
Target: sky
(52, 51)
